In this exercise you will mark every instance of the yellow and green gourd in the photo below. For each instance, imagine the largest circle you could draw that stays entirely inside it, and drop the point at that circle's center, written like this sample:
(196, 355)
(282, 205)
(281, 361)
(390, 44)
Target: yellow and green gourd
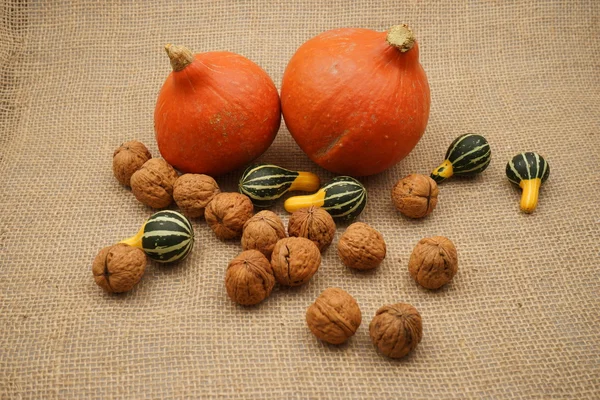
(528, 170)
(467, 155)
(265, 183)
(165, 237)
(344, 198)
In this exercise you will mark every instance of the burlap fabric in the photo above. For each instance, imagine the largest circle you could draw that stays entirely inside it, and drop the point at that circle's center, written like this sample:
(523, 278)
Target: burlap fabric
(520, 320)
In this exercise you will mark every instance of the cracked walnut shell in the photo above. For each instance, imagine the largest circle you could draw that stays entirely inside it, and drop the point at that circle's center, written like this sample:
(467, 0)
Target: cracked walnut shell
(227, 213)
(433, 262)
(127, 159)
(295, 260)
(193, 192)
(249, 278)
(119, 268)
(396, 329)
(313, 223)
(415, 195)
(361, 247)
(334, 316)
(153, 183)
(262, 231)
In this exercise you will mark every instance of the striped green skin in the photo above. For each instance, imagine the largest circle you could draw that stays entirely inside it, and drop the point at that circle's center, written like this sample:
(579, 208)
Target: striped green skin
(265, 183)
(345, 198)
(168, 236)
(469, 154)
(525, 166)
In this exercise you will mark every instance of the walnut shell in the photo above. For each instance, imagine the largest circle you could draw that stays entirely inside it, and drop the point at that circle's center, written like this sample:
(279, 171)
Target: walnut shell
(415, 195)
(262, 231)
(249, 278)
(295, 260)
(193, 192)
(334, 316)
(153, 183)
(119, 268)
(433, 262)
(361, 247)
(127, 159)
(313, 223)
(396, 329)
(227, 213)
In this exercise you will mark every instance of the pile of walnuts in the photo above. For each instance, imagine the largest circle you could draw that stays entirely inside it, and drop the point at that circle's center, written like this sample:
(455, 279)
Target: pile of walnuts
(294, 259)
(156, 184)
(271, 254)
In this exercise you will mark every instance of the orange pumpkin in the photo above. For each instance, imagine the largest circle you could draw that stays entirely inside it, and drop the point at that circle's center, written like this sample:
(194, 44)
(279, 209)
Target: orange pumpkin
(356, 101)
(216, 112)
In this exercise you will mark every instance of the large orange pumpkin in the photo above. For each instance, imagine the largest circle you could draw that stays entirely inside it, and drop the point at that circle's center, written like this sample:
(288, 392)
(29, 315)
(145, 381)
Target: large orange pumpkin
(216, 112)
(356, 101)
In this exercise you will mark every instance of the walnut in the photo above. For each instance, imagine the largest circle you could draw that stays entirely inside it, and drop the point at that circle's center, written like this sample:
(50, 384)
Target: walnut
(193, 192)
(249, 278)
(262, 231)
(295, 260)
(361, 247)
(153, 184)
(415, 195)
(313, 223)
(433, 262)
(396, 329)
(119, 267)
(127, 159)
(334, 316)
(227, 213)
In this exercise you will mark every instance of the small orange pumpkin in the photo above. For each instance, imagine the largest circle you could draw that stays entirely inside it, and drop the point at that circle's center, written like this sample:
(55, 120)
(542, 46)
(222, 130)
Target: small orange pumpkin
(356, 101)
(216, 112)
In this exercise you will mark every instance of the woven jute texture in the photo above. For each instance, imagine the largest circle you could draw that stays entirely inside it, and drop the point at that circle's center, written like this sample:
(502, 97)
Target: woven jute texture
(521, 319)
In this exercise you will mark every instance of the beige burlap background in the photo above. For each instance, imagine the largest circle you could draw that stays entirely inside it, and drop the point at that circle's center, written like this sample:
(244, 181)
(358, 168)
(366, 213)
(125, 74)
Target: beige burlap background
(520, 320)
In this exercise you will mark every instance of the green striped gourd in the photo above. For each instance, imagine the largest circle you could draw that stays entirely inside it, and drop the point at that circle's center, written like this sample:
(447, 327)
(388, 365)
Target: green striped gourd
(344, 198)
(166, 236)
(265, 183)
(528, 170)
(467, 155)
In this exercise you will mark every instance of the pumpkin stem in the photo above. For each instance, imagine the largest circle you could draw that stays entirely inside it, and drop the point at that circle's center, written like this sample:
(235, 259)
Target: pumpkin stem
(180, 56)
(401, 37)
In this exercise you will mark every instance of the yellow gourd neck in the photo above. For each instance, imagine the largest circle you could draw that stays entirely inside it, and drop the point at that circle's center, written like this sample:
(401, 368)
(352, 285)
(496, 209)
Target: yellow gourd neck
(297, 202)
(136, 240)
(529, 198)
(444, 171)
(306, 182)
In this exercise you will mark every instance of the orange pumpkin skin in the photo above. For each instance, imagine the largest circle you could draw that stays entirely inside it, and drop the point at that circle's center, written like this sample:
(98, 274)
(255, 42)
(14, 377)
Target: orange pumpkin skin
(355, 104)
(217, 114)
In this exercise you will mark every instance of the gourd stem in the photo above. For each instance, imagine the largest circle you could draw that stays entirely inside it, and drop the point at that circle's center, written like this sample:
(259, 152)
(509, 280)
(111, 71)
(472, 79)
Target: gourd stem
(305, 182)
(529, 198)
(180, 56)
(135, 241)
(401, 37)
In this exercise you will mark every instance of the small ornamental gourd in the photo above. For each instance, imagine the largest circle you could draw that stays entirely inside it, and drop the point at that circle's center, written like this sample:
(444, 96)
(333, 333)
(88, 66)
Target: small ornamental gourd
(528, 170)
(344, 198)
(265, 183)
(467, 155)
(165, 237)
